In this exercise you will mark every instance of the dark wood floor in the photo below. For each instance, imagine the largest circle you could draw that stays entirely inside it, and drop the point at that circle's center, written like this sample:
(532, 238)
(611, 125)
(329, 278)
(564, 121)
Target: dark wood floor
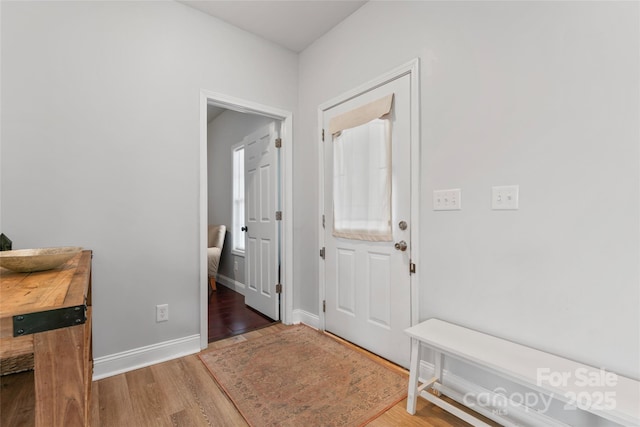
(229, 316)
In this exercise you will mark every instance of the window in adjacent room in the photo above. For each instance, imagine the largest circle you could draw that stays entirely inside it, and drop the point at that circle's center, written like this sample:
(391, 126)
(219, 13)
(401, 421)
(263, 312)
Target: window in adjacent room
(238, 199)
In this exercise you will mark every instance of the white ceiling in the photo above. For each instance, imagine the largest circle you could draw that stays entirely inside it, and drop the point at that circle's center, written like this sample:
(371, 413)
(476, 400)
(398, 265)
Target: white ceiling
(291, 24)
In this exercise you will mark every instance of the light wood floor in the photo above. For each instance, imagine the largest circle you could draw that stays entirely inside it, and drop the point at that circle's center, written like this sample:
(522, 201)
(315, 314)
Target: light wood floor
(180, 392)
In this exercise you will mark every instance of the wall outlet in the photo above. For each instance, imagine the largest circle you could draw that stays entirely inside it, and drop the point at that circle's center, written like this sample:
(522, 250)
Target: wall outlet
(162, 312)
(447, 200)
(504, 197)
(235, 265)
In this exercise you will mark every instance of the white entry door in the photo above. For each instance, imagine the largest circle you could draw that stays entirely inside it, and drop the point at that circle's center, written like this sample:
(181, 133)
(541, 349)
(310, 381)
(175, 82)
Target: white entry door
(262, 242)
(367, 283)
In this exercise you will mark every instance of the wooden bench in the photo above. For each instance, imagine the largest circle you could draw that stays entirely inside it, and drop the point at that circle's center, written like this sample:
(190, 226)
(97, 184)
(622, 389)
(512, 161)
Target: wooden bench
(605, 394)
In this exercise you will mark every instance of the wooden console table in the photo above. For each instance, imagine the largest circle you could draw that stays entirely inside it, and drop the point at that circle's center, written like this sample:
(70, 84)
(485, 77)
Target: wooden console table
(48, 314)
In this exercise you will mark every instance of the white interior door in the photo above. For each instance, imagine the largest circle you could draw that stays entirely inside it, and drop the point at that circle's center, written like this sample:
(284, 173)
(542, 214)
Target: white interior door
(367, 284)
(262, 242)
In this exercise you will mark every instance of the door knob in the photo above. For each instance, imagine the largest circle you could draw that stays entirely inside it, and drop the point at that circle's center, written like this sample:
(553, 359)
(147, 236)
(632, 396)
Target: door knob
(245, 228)
(401, 245)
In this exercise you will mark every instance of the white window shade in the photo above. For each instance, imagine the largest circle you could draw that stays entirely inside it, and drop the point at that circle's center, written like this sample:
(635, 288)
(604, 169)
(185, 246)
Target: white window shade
(361, 115)
(362, 172)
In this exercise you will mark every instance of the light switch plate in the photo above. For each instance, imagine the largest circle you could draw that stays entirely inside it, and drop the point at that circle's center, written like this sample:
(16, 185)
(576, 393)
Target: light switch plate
(447, 200)
(504, 197)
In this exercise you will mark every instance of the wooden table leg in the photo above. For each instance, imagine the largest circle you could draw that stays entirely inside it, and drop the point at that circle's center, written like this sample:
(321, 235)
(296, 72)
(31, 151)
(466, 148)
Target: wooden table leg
(60, 371)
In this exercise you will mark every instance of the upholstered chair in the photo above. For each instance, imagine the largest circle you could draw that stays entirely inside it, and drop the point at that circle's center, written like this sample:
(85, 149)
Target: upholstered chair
(214, 250)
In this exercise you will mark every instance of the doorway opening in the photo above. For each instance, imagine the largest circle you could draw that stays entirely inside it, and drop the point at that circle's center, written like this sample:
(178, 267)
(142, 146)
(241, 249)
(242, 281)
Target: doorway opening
(255, 254)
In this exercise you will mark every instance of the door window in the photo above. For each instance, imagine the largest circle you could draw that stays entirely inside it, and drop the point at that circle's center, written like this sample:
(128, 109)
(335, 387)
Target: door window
(362, 182)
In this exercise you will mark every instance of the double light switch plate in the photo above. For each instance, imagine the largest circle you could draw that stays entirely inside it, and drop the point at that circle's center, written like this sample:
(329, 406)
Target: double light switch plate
(504, 197)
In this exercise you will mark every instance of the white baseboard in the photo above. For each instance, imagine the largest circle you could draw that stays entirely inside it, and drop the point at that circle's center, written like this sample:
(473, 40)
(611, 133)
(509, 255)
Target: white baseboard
(301, 316)
(231, 283)
(141, 357)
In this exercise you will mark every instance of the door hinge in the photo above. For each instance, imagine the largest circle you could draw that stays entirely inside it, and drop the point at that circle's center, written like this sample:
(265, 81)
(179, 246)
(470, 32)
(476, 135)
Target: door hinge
(412, 268)
(279, 288)
(278, 215)
(324, 306)
(322, 135)
(322, 221)
(322, 253)
(278, 142)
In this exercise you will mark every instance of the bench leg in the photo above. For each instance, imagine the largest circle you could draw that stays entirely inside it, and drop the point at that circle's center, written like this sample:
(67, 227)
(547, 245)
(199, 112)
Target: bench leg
(414, 369)
(438, 361)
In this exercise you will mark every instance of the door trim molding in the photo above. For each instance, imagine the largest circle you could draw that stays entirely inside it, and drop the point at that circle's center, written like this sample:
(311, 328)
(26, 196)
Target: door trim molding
(412, 68)
(286, 178)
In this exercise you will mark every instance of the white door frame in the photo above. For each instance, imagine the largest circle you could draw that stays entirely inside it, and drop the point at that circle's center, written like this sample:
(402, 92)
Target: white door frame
(286, 191)
(411, 68)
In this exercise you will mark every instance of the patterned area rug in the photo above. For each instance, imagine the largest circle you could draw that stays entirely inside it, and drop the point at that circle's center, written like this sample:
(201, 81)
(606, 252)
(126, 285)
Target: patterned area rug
(301, 377)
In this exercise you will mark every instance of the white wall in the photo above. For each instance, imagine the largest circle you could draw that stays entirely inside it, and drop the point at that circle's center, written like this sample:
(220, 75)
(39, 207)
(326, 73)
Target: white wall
(226, 130)
(100, 145)
(543, 95)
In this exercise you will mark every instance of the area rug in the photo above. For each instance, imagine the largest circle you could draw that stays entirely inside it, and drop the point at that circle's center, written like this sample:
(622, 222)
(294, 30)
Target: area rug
(301, 377)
